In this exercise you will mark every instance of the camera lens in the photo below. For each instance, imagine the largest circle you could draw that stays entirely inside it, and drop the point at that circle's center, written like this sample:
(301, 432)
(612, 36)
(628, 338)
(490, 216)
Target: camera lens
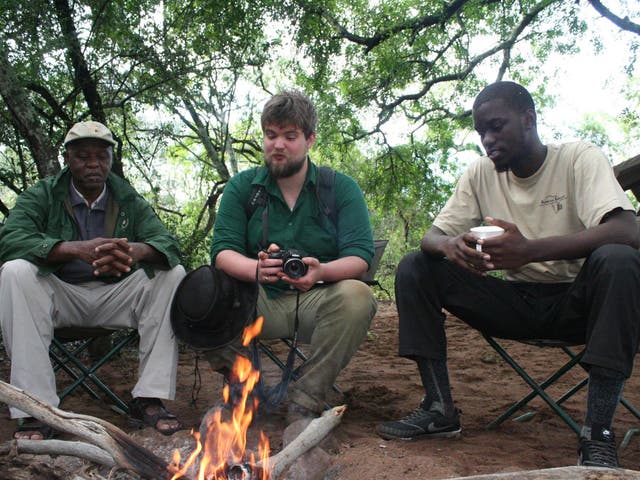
(294, 268)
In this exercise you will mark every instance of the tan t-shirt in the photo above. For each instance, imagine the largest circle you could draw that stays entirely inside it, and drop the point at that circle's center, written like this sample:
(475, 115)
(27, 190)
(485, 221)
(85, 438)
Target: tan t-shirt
(572, 191)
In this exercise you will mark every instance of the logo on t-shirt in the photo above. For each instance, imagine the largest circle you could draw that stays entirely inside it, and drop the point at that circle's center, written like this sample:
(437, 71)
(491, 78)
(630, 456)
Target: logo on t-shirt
(554, 201)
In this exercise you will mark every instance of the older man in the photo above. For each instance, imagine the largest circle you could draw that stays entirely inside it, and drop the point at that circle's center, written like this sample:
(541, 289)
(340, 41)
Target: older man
(83, 248)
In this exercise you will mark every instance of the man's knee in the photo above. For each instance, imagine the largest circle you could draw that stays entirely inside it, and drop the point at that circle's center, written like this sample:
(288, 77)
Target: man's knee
(17, 270)
(416, 268)
(172, 276)
(357, 300)
(616, 252)
(617, 258)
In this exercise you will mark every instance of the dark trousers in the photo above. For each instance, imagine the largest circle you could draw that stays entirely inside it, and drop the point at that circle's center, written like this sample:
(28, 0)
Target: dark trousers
(600, 309)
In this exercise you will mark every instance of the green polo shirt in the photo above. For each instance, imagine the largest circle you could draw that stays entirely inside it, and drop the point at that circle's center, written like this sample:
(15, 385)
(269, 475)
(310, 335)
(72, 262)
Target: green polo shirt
(305, 228)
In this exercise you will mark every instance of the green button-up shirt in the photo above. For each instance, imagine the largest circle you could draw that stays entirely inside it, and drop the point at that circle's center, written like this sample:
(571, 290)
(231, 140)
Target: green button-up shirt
(305, 228)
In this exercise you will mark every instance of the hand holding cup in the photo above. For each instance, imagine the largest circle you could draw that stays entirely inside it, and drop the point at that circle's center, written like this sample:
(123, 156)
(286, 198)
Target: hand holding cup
(486, 231)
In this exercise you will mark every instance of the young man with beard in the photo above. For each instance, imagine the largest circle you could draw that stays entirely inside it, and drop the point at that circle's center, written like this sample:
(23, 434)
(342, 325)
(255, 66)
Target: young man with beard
(333, 310)
(569, 252)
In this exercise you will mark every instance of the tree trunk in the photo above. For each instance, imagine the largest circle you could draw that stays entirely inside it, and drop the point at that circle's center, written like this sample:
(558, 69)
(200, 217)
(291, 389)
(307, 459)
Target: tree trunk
(24, 118)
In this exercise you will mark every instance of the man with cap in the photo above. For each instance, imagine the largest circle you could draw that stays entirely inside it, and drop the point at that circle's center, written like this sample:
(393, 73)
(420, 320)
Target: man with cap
(83, 248)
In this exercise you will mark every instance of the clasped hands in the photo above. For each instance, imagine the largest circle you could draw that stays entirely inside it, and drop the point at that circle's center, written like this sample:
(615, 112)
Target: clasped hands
(270, 270)
(110, 256)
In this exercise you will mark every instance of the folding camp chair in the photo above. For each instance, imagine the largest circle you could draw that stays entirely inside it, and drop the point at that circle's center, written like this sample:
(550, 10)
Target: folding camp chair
(369, 278)
(370, 275)
(539, 388)
(70, 352)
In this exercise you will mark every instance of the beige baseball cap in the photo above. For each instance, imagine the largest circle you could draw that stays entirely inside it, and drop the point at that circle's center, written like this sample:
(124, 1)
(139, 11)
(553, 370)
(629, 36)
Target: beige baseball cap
(89, 130)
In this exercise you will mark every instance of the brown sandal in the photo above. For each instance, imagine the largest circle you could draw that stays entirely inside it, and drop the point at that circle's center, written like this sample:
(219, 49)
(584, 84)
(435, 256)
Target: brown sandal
(139, 418)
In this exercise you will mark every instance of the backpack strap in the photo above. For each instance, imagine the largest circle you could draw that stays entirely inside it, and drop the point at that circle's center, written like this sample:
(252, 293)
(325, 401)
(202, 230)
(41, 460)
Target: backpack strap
(326, 193)
(259, 197)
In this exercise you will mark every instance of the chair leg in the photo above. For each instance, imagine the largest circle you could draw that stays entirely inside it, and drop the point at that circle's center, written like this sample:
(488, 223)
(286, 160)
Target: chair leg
(62, 357)
(82, 373)
(299, 353)
(538, 389)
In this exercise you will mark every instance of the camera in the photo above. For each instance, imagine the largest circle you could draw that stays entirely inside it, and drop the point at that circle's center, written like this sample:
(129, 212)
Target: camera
(292, 264)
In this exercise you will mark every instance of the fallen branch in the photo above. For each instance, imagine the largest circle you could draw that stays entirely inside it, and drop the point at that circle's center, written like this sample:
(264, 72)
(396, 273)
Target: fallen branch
(125, 452)
(59, 447)
(311, 436)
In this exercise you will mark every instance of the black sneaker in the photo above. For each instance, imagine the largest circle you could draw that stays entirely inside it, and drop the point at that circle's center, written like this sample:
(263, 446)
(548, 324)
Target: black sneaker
(600, 451)
(421, 424)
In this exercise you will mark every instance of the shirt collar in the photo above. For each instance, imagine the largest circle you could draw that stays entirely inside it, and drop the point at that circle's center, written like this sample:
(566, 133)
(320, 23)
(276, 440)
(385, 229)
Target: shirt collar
(77, 198)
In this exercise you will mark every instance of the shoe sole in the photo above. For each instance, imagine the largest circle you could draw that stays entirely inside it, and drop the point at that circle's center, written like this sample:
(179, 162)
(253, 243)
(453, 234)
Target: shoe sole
(422, 436)
(596, 464)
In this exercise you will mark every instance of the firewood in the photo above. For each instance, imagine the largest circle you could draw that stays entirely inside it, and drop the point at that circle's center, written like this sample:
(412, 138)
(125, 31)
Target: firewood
(126, 453)
(59, 447)
(110, 446)
(561, 473)
(311, 436)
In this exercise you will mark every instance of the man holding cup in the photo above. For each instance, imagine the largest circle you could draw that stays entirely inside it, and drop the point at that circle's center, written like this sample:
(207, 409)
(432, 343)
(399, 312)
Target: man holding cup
(570, 260)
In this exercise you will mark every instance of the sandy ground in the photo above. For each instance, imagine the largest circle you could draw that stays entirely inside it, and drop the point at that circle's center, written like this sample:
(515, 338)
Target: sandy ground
(379, 386)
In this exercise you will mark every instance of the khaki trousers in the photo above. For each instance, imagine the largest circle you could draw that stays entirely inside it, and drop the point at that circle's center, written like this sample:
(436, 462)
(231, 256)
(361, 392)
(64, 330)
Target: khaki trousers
(333, 319)
(34, 305)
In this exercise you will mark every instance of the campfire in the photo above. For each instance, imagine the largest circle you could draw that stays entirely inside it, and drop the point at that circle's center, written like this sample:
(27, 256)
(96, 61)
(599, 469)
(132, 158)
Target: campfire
(223, 454)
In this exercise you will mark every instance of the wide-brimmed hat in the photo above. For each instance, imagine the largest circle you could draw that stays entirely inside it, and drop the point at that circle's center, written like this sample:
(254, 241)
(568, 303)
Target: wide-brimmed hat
(82, 130)
(210, 309)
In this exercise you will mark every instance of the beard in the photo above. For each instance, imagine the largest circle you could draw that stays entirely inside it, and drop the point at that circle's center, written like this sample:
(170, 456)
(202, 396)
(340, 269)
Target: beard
(502, 167)
(285, 170)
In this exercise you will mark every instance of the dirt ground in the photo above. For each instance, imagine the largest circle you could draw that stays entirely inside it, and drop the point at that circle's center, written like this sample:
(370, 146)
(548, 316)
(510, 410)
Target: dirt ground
(379, 386)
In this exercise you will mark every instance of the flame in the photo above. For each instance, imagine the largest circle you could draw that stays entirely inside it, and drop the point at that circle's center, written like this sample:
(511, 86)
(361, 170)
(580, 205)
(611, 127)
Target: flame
(225, 442)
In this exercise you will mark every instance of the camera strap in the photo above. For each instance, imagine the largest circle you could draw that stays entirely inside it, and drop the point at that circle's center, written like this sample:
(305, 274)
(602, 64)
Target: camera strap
(265, 227)
(271, 397)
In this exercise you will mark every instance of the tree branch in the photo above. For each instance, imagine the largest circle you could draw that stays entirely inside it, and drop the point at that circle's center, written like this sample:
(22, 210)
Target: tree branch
(126, 453)
(623, 23)
(415, 24)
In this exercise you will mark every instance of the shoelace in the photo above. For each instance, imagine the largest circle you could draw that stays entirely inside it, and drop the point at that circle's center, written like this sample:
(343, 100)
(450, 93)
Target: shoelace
(417, 415)
(601, 452)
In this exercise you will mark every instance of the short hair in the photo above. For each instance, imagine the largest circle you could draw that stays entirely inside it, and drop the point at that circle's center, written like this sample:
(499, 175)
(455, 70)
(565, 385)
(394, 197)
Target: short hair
(514, 95)
(290, 107)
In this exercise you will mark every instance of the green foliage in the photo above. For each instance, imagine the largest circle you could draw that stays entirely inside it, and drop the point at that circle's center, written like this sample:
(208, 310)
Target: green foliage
(181, 85)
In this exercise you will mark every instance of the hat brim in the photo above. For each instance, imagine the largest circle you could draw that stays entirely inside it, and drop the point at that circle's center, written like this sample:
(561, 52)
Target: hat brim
(220, 323)
(86, 137)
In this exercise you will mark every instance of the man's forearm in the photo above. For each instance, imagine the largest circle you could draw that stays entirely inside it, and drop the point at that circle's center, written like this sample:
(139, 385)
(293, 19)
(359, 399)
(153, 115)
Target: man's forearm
(64, 252)
(619, 229)
(433, 242)
(143, 252)
(343, 268)
(237, 265)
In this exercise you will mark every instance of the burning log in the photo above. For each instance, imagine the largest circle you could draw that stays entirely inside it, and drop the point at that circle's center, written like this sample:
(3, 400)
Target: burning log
(109, 439)
(311, 436)
(272, 467)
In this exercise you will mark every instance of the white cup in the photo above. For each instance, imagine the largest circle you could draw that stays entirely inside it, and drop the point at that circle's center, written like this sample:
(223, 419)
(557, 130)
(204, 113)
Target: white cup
(486, 231)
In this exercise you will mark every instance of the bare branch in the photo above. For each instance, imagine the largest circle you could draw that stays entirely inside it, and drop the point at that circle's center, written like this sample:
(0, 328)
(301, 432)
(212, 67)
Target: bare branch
(414, 24)
(623, 23)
